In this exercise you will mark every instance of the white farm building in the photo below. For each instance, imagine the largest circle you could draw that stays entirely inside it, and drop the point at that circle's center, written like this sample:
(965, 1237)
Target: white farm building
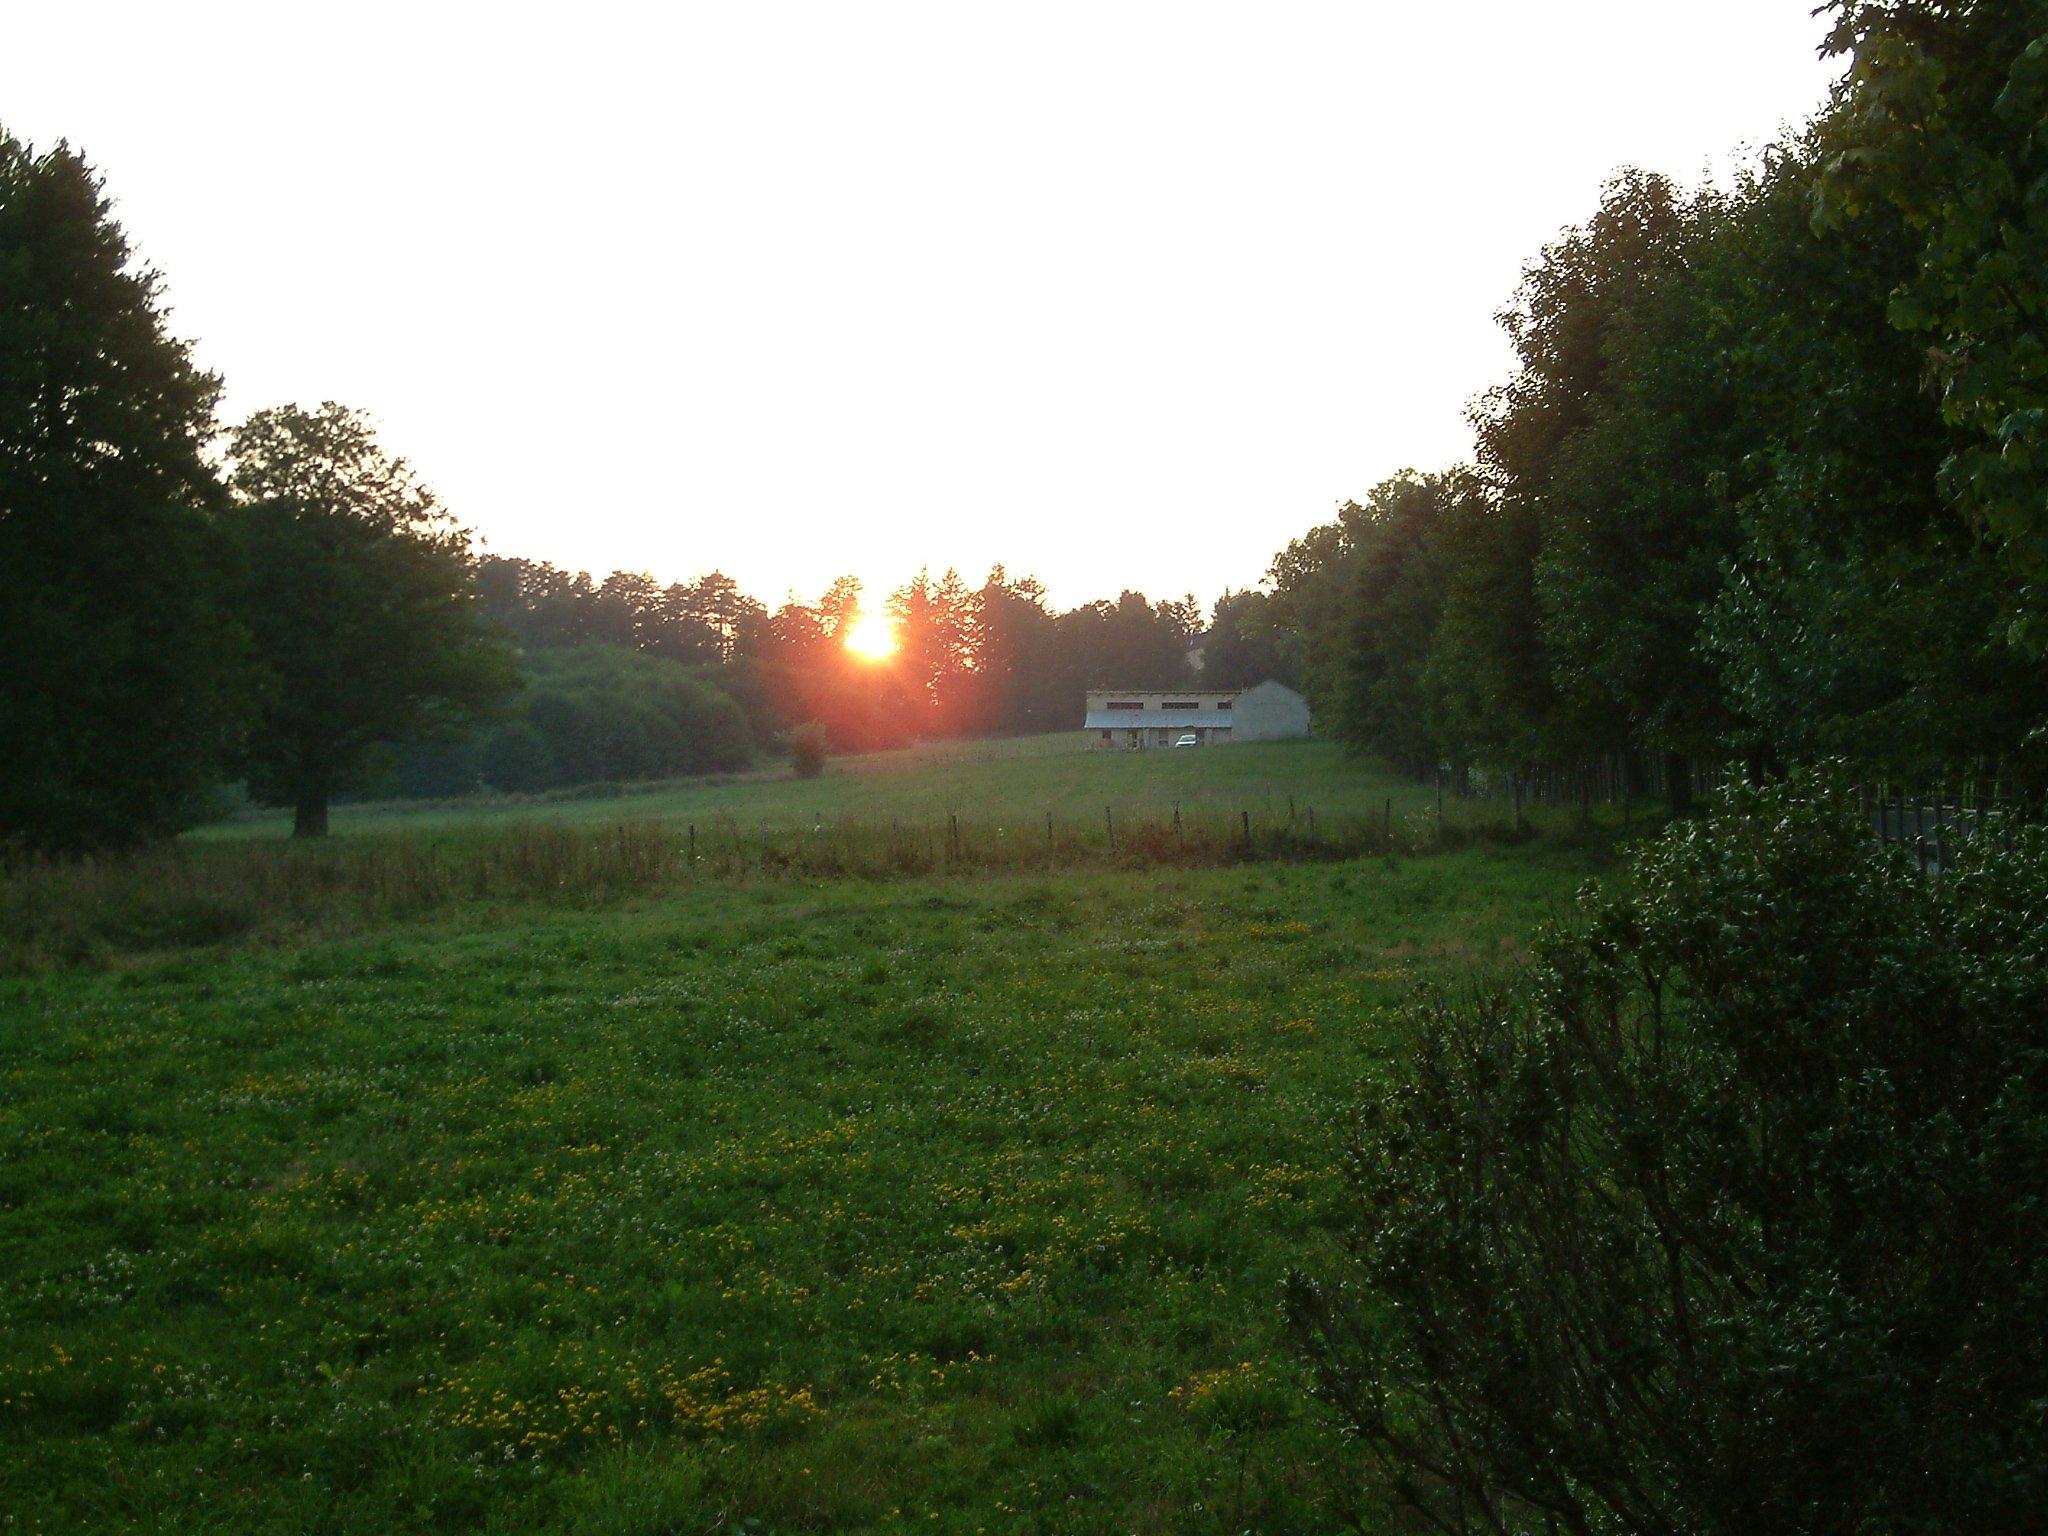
(1135, 718)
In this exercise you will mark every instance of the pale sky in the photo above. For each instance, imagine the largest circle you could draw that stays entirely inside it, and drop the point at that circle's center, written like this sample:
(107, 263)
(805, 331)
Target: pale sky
(1117, 294)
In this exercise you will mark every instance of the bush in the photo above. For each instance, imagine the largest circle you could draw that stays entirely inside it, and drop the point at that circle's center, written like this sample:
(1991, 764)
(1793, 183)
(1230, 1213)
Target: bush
(1727, 1217)
(807, 751)
(588, 714)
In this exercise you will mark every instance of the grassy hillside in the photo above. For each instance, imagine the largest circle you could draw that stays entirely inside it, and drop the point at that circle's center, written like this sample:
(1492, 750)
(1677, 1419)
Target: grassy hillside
(851, 1206)
(1044, 805)
(502, 1168)
(1012, 783)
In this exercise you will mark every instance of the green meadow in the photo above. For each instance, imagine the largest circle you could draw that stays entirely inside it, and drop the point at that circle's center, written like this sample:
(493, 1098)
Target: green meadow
(763, 1202)
(1011, 784)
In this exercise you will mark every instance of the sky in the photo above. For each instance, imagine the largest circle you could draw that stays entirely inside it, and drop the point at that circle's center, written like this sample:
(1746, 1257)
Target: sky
(1118, 295)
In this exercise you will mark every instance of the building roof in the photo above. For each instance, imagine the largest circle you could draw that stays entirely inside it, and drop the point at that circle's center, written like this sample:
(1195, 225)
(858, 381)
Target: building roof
(1156, 719)
(1169, 693)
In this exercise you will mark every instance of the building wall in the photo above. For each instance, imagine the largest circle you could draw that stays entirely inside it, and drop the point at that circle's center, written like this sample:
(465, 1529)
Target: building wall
(1152, 718)
(1154, 701)
(1269, 712)
(1153, 737)
(1142, 717)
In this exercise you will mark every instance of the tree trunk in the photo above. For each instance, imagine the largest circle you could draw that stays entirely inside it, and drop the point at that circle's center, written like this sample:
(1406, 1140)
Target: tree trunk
(1678, 782)
(309, 816)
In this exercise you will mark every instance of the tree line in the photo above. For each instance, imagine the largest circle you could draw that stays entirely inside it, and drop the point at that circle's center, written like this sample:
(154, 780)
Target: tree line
(285, 605)
(1718, 1216)
(1770, 481)
(625, 678)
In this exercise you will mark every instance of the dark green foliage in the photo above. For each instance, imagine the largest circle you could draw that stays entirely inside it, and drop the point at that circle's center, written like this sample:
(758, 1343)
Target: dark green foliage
(1862, 618)
(1712, 518)
(544, 607)
(1245, 646)
(588, 715)
(359, 598)
(1727, 1217)
(807, 746)
(1486, 678)
(1635, 504)
(1571, 603)
(595, 713)
(1385, 704)
(119, 665)
(1946, 124)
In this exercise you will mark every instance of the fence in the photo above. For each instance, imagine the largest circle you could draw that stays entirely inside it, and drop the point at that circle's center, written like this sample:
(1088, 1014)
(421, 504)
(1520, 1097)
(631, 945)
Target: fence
(1930, 829)
(1928, 824)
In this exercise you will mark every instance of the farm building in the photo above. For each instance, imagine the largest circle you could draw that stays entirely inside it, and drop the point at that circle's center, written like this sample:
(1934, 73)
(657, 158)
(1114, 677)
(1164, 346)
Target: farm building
(1136, 717)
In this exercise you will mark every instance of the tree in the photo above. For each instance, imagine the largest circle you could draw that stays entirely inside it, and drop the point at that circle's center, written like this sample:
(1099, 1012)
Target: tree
(934, 633)
(1571, 502)
(1244, 645)
(1863, 618)
(600, 713)
(1725, 1217)
(1015, 642)
(360, 602)
(120, 662)
(1637, 516)
(1310, 603)
(1946, 121)
(1396, 601)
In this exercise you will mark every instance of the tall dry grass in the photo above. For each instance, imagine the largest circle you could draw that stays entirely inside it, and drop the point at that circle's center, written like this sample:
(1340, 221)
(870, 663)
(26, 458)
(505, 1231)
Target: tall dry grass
(71, 913)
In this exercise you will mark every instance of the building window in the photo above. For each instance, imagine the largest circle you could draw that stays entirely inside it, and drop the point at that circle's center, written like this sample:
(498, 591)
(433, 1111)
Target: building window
(1105, 736)
(1224, 705)
(1124, 704)
(1177, 704)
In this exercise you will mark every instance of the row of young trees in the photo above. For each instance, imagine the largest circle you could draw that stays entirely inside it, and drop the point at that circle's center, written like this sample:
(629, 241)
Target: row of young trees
(286, 605)
(1769, 483)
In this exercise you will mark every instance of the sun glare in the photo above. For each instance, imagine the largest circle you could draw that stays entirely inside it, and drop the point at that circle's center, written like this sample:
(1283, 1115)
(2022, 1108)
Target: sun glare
(871, 635)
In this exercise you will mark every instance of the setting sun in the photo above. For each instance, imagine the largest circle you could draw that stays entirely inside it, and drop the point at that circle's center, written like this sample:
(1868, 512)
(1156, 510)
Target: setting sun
(871, 635)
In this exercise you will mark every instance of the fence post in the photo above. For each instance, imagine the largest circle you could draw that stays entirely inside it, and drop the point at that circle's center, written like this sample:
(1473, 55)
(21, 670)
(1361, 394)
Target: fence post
(1387, 823)
(1048, 827)
(693, 845)
(1247, 815)
(1109, 822)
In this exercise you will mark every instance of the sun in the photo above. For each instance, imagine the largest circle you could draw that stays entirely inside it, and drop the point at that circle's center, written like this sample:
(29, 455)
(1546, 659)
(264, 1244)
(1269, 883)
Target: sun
(871, 635)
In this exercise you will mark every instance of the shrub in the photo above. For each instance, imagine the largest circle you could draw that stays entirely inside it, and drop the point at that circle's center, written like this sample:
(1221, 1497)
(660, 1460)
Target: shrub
(1727, 1216)
(807, 751)
(588, 714)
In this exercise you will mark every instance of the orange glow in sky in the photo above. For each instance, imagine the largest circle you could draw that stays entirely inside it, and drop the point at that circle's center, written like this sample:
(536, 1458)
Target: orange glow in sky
(871, 635)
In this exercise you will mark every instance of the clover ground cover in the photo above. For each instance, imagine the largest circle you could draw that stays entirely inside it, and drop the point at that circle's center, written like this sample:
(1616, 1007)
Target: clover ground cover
(929, 1204)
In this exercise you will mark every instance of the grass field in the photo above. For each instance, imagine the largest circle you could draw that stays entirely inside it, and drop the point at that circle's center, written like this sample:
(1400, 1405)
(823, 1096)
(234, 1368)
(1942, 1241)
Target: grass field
(1010, 784)
(950, 1202)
